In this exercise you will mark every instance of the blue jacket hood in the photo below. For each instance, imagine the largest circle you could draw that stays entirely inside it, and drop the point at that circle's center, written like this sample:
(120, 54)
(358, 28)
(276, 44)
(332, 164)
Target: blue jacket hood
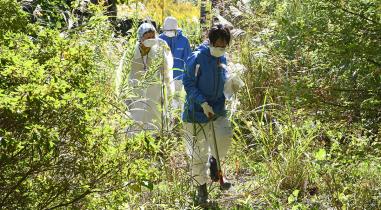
(179, 32)
(204, 48)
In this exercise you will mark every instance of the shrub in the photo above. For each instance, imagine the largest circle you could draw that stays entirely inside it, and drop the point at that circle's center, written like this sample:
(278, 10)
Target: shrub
(61, 139)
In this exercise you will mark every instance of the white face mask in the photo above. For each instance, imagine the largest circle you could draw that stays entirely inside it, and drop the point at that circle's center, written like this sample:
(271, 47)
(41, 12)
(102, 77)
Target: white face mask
(170, 33)
(150, 42)
(217, 51)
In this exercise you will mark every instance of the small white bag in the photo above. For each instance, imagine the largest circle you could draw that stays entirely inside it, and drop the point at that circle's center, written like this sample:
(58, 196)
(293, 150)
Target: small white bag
(233, 82)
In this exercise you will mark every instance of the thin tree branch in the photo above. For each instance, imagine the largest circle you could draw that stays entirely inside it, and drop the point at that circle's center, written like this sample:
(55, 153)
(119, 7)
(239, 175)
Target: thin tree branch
(353, 13)
(374, 62)
(74, 200)
(83, 195)
(17, 185)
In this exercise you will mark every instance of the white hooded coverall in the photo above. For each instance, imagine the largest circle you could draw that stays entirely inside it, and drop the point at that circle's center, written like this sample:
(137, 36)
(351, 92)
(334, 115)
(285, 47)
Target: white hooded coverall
(148, 75)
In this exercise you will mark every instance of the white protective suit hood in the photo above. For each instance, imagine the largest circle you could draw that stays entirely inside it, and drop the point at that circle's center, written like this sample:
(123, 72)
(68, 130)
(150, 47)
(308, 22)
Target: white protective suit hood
(144, 28)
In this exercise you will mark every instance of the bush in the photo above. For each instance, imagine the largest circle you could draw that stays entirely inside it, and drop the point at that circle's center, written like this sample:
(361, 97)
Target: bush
(12, 18)
(325, 59)
(60, 120)
(320, 59)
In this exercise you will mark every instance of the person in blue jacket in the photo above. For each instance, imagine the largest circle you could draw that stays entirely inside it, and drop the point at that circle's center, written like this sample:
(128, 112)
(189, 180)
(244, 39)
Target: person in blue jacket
(181, 50)
(204, 81)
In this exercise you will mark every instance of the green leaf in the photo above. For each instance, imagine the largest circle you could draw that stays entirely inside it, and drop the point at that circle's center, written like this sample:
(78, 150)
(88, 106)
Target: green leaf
(321, 154)
(291, 199)
(296, 193)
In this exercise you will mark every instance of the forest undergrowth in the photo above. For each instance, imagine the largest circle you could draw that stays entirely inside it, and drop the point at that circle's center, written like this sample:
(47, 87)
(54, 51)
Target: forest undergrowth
(306, 123)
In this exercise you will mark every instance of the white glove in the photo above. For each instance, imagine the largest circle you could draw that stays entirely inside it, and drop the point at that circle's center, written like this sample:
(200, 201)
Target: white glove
(208, 110)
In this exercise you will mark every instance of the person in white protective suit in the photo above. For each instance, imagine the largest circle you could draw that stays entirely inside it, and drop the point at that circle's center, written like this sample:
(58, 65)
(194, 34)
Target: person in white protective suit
(151, 78)
(204, 109)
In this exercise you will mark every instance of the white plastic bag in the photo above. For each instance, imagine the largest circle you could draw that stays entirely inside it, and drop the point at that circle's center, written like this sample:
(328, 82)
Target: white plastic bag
(233, 82)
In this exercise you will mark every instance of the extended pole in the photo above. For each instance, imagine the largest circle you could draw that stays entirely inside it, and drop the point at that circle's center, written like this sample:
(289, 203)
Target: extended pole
(223, 185)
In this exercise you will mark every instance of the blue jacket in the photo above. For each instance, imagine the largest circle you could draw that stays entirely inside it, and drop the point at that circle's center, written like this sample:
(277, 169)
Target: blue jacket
(181, 50)
(204, 84)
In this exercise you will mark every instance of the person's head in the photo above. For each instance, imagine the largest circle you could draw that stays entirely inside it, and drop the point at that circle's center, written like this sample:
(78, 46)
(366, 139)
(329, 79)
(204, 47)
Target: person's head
(219, 38)
(170, 26)
(146, 35)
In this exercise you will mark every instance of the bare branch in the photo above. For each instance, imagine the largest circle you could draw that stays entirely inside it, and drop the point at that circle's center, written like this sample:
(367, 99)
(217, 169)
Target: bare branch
(353, 13)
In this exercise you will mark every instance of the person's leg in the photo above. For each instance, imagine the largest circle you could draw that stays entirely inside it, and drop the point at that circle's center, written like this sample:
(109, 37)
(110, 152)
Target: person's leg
(224, 134)
(198, 149)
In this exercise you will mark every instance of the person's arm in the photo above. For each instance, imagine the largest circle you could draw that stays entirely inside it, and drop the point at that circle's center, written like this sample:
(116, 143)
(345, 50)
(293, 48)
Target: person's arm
(189, 80)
